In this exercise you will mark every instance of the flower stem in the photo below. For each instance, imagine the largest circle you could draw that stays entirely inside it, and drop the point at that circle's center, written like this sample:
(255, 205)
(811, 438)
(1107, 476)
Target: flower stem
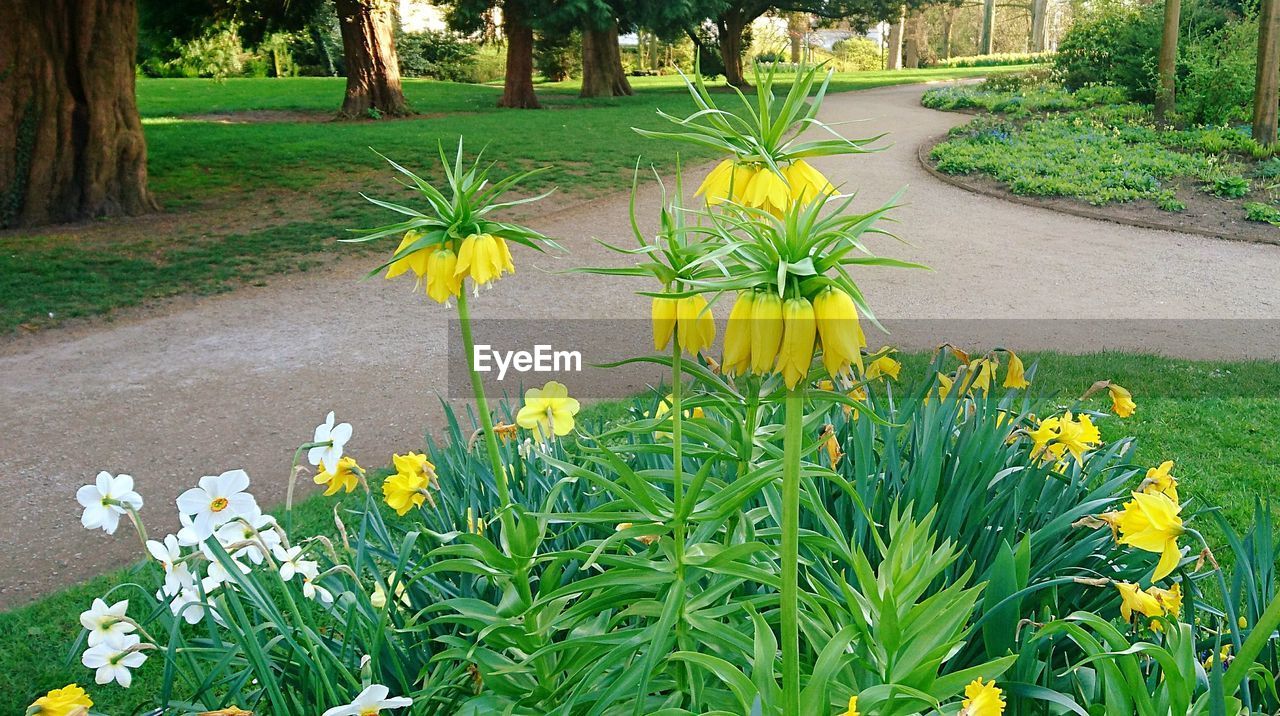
(138, 526)
(482, 409)
(793, 437)
(677, 454)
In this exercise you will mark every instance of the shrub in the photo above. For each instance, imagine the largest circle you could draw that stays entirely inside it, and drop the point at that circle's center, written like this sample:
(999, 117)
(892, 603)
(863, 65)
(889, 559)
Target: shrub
(217, 54)
(1265, 213)
(1229, 187)
(436, 55)
(557, 56)
(1117, 47)
(1217, 74)
(996, 60)
(857, 54)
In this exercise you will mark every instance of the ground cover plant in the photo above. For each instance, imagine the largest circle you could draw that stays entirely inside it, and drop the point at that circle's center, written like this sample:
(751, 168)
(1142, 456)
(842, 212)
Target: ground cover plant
(248, 198)
(786, 532)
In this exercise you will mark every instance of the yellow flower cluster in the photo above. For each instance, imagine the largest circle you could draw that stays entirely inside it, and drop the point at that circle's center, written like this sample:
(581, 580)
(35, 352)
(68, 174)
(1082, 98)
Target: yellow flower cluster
(70, 700)
(411, 485)
(480, 257)
(766, 334)
(758, 186)
(1151, 523)
(346, 478)
(689, 319)
(1151, 602)
(1054, 438)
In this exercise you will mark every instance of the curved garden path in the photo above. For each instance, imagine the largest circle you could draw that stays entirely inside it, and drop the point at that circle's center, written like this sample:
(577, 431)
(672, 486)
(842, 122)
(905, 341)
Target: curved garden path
(204, 385)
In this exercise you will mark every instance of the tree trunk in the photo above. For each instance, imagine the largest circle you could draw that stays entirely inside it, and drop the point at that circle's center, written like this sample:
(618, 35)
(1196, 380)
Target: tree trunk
(796, 30)
(517, 88)
(1165, 93)
(911, 41)
(1039, 13)
(369, 48)
(1266, 95)
(731, 26)
(71, 143)
(893, 60)
(988, 44)
(948, 22)
(602, 73)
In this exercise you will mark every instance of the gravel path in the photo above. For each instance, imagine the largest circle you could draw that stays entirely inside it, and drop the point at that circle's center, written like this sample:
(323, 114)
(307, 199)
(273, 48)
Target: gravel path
(204, 385)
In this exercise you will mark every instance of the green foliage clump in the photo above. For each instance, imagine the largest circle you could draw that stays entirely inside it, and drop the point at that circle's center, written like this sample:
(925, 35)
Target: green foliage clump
(1004, 96)
(557, 57)
(1116, 46)
(996, 60)
(857, 54)
(436, 55)
(1264, 213)
(1229, 186)
(1216, 74)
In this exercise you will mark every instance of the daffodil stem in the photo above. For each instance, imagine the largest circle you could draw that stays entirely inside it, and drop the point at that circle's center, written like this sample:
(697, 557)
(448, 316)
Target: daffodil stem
(139, 527)
(486, 420)
(677, 454)
(792, 439)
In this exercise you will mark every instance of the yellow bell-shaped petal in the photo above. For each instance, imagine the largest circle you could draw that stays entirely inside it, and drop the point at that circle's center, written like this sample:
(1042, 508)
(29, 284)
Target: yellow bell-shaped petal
(766, 332)
(799, 331)
(1121, 401)
(842, 337)
(726, 182)
(416, 261)
(1015, 376)
(737, 336)
(443, 281)
(483, 257)
(663, 314)
(806, 182)
(695, 326)
(769, 191)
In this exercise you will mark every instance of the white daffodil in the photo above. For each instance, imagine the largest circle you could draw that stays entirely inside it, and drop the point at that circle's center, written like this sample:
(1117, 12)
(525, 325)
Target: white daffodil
(310, 588)
(218, 575)
(218, 500)
(166, 552)
(104, 622)
(187, 603)
(187, 536)
(175, 580)
(256, 527)
(114, 658)
(107, 499)
(370, 702)
(292, 563)
(332, 439)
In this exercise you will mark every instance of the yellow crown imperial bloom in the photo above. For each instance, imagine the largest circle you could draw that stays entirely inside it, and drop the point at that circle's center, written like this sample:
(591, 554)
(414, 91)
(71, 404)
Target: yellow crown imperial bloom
(1159, 481)
(68, 700)
(695, 326)
(737, 336)
(885, 365)
(799, 331)
(806, 182)
(982, 699)
(416, 261)
(842, 337)
(853, 707)
(1152, 523)
(727, 182)
(769, 191)
(1015, 376)
(766, 332)
(410, 486)
(443, 281)
(662, 311)
(484, 258)
(1121, 401)
(547, 411)
(1134, 600)
(344, 479)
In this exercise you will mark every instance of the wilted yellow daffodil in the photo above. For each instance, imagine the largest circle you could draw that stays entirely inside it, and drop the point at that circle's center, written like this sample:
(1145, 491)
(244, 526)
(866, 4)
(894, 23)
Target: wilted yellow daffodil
(1121, 401)
(643, 539)
(547, 411)
(443, 281)
(344, 479)
(768, 191)
(806, 182)
(853, 707)
(1015, 376)
(982, 699)
(228, 711)
(1134, 600)
(737, 336)
(831, 444)
(483, 258)
(1151, 523)
(980, 373)
(766, 332)
(885, 365)
(411, 485)
(695, 326)
(727, 182)
(799, 330)
(1159, 481)
(68, 700)
(945, 383)
(662, 311)
(838, 327)
(1170, 600)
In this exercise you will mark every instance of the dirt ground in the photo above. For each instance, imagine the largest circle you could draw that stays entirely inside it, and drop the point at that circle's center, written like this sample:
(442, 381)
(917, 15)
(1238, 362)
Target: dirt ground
(198, 386)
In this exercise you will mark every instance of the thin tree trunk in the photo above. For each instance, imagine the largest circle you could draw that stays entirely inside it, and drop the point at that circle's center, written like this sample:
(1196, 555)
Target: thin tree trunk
(602, 73)
(893, 60)
(988, 28)
(731, 26)
(1166, 92)
(71, 143)
(1039, 14)
(948, 22)
(369, 48)
(1266, 95)
(517, 88)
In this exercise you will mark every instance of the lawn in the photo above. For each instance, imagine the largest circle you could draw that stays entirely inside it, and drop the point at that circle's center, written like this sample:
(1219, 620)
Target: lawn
(246, 200)
(1214, 419)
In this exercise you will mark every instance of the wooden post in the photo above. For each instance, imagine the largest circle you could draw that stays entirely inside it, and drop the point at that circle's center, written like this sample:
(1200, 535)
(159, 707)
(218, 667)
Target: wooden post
(1266, 95)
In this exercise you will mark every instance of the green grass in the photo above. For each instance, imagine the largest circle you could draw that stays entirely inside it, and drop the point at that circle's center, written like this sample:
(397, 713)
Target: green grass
(1214, 419)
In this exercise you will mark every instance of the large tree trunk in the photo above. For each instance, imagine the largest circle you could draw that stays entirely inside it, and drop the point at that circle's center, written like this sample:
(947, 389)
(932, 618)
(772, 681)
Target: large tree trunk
(911, 41)
(988, 43)
(731, 25)
(893, 59)
(369, 48)
(71, 143)
(1039, 13)
(517, 88)
(1165, 93)
(1266, 95)
(797, 28)
(602, 73)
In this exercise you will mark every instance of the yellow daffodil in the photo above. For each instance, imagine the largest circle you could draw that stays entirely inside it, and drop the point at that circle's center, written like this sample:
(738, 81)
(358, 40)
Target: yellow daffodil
(982, 699)
(66, 701)
(475, 525)
(228, 711)
(1151, 523)
(831, 444)
(547, 411)
(853, 707)
(1076, 435)
(1170, 600)
(945, 383)
(416, 261)
(484, 258)
(768, 191)
(1134, 600)
(1043, 436)
(737, 336)
(806, 182)
(979, 376)
(1015, 376)
(727, 182)
(1121, 401)
(838, 327)
(344, 479)
(410, 486)
(799, 329)
(643, 539)
(1159, 481)
(695, 326)
(766, 332)
(662, 311)
(1223, 659)
(883, 366)
(1242, 622)
(443, 281)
